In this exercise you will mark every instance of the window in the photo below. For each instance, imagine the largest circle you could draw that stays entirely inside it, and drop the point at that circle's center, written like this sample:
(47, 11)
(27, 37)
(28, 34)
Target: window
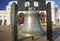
(27, 4)
(0, 22)
(5, 22)
(36, 4)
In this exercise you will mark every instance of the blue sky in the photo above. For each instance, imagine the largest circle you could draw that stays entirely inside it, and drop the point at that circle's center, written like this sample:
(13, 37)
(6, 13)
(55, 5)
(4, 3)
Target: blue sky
(58, 3)
(3, 4)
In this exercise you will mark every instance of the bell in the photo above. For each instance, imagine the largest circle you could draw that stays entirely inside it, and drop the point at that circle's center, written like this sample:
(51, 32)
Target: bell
(31, 26)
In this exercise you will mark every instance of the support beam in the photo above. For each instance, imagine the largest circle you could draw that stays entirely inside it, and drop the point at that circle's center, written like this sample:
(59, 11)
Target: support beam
(49, 22)
(14, 21)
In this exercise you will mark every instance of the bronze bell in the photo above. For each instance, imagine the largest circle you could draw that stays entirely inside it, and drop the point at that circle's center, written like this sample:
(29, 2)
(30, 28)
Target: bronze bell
(31, 26)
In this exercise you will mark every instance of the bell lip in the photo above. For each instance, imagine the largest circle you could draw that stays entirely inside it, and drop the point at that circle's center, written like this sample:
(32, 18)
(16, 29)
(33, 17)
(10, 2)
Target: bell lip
(32, 34)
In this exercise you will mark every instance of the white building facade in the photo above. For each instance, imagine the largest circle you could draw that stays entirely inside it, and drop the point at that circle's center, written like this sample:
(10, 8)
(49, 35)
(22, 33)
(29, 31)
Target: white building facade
(58, 18)
(53, 11)
(5, 14)
(4, 17)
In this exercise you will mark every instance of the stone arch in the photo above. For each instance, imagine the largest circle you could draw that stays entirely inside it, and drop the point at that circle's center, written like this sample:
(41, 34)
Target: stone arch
(42, 17)
(21, 18)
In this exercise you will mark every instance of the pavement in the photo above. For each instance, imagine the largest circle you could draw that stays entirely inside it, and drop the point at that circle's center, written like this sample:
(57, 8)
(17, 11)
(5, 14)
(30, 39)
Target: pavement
(58, 38)
(6, 34)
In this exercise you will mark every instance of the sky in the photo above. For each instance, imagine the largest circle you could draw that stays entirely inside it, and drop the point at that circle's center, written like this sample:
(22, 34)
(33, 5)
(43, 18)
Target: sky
(3, 3)
(58, 3)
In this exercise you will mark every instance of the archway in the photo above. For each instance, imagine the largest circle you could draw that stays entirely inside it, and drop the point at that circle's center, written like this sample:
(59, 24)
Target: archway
(42, 17)
(21, 18)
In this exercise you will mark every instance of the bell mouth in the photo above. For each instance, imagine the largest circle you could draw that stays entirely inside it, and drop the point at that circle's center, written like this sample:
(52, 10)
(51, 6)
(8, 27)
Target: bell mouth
(28, 34)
